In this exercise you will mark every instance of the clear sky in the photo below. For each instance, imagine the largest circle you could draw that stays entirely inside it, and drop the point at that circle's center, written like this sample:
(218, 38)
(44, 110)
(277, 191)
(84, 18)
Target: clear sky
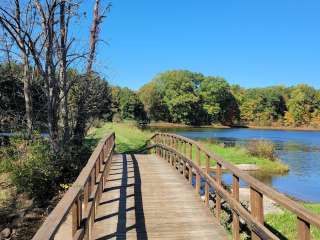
(249, 42)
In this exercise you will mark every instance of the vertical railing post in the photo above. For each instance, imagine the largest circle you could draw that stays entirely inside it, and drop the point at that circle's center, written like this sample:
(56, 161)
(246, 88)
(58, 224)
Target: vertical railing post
(218, 198)
(158, 148)
(303, 229)
(76, 215)
(160, 142)
(171, 145)
(235, 217)
(198, 182)
(190, 168)
(184, 163)
(206, 190)
(86, 196)
(256, 202)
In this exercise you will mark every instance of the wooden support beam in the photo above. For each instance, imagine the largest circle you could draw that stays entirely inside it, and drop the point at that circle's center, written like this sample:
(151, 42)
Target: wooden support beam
(235, 216)
(303, 229)
(256, 202)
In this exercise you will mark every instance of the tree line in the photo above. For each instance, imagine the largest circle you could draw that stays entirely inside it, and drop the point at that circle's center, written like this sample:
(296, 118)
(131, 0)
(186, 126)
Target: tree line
(191, 98)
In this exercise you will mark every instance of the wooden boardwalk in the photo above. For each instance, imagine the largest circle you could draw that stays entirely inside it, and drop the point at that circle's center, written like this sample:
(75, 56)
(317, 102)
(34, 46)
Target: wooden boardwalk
(146, 198)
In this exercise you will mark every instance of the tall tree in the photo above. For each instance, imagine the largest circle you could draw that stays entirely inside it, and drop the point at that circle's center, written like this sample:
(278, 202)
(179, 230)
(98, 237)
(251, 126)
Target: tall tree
(218, 100)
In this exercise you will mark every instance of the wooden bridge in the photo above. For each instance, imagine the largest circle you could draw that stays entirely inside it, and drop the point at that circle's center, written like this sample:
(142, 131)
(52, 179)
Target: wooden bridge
(157, 196)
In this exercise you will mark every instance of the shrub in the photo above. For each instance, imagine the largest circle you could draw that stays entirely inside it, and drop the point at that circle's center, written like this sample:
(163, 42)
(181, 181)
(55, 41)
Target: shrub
(34, 170)
(262, 148)
(30, 166)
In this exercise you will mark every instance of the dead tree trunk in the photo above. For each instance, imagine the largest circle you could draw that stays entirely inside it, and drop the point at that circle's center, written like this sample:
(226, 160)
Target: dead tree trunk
(63, 75)
(52, 86)
(82, 113)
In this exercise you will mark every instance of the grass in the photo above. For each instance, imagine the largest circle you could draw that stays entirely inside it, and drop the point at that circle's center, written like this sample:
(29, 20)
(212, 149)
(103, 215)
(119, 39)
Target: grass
(286, 223)
(129, 138)
(239, 155)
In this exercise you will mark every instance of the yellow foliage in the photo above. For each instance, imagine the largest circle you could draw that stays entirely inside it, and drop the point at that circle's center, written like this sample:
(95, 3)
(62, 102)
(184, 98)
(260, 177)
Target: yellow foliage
(288, 119)
(315, 120)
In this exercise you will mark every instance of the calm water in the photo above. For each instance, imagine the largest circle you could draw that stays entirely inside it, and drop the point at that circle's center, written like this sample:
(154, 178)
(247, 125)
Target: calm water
(298, 149)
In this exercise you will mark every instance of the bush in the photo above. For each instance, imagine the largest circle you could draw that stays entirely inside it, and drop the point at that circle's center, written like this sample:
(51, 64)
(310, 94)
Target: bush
(262, 148)
(30, 167)
(34, 170)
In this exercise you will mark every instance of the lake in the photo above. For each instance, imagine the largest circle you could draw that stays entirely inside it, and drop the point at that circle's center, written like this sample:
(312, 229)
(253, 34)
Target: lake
(298, 149)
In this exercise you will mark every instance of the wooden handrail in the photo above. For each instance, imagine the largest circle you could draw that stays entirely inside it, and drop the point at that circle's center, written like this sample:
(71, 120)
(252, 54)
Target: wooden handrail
(168, 144)
(81, 199)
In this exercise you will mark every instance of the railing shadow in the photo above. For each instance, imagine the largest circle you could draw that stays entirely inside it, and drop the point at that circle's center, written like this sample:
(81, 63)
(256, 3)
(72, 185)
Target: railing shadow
(121, 228)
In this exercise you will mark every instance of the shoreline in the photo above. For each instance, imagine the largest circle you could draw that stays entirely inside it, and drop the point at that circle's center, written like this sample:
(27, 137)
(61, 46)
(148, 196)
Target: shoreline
(218, 126)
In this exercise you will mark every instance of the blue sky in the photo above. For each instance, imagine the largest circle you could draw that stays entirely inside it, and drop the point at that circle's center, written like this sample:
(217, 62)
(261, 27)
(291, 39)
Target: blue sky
(253, 43)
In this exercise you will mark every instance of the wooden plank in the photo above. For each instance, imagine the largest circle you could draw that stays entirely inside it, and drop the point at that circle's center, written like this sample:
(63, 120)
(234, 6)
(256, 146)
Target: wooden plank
(131, 207)
(252, 223)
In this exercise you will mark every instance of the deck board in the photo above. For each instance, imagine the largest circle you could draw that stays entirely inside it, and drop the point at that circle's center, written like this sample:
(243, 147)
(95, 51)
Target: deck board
(146, 198)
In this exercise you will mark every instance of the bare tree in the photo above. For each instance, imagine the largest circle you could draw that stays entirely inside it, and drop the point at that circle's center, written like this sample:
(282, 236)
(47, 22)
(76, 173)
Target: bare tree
(46, 12)
(42, 38)
(13, 24)
(82, 109)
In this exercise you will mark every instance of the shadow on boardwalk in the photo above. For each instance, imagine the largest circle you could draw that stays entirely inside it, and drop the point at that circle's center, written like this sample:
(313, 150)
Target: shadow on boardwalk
(146, 198)
(125, 171)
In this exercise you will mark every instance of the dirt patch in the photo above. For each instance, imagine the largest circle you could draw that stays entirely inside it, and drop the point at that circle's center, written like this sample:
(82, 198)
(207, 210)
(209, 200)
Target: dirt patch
(19, 216)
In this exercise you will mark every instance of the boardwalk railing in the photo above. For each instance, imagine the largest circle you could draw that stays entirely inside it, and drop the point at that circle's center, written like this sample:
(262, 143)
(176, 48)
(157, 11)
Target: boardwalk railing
(81, 200)
(186, 154)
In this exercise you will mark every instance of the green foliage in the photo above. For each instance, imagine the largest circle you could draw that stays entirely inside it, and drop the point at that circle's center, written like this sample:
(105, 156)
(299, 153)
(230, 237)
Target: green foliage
(262, 106)
(219, 103)
(34, 170)
(12, 105)
(31, 167)
(126, 105)
(154, 105)
(179, 89)
(304, 104)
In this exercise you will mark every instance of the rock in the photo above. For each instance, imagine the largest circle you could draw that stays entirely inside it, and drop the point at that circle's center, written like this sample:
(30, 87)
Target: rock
(30, 216)
(243, 167)
(11, 217)
(5, 233)
(248, 167)
(211, 204)
(269, 205)
(17, 222)
(38, 210)
(13, 233)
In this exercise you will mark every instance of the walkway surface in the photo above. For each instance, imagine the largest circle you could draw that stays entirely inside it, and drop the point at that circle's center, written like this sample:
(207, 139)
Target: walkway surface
(146, 198)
